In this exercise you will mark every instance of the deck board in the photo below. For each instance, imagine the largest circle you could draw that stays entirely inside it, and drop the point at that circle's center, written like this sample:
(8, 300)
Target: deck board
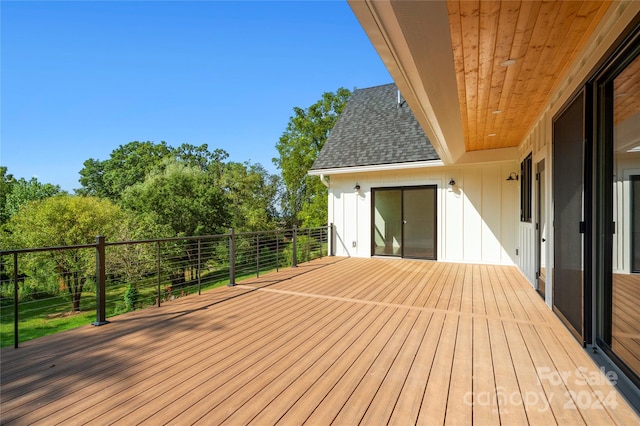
(461, 380)
(434, 401)
(485, 408)
(386, 398)
(530, 394)
(289, 381)
(408, 405)
(505, 376)
(334, 341)
(540, 357)
(353, 410)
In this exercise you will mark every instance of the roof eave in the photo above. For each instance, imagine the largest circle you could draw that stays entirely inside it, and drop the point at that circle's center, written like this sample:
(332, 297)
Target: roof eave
(431, 91)
(376, 168)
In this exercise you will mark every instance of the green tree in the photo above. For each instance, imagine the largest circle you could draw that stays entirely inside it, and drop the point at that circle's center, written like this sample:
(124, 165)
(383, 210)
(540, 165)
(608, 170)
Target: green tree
(132, 262)
(199, 156)
(185, 199)
(131, 163)
(251, 196)
(23, 191)
(181, 197)
(127, 165)
(91, 179)
(64, 220)
(6, 185)
(304, 199)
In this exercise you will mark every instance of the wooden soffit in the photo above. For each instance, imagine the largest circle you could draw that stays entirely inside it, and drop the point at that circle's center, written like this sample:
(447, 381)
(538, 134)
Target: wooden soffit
(499, 62)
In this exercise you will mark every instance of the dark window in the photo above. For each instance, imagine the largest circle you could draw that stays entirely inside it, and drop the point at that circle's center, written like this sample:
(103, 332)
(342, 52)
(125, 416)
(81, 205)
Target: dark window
(525, 189)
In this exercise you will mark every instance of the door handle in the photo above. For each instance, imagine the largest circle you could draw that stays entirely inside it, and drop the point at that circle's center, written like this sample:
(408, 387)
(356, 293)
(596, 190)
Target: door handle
(404, 222)
(543, 240)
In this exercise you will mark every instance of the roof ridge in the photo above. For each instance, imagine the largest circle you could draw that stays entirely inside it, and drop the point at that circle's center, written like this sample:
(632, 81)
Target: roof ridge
(375, 87)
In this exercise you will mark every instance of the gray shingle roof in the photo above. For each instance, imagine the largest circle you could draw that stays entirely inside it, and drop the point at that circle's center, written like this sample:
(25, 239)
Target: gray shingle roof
(373, 130)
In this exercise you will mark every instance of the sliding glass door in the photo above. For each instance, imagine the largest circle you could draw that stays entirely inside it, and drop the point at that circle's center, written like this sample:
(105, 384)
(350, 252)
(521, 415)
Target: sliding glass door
(387, 222)
(419, 207)
(619, 206)
(404, 222)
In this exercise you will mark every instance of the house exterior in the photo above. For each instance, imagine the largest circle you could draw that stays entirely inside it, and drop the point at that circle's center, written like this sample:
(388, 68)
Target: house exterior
(407, 202)
(547, 93)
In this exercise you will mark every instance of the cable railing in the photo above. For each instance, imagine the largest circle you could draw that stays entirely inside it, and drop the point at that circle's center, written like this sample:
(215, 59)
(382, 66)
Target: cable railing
(44, 290)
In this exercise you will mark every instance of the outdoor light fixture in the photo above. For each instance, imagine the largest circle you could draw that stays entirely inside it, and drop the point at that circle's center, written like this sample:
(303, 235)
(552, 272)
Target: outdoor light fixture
(452, 182)
(357, 187)
(513, 176)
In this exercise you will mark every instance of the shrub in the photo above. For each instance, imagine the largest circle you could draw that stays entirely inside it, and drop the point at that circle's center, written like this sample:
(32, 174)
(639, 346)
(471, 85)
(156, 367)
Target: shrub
(131, 297)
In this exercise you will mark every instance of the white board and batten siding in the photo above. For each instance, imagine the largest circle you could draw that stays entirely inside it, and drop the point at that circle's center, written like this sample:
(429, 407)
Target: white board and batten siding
(538, 144)
(476, 218)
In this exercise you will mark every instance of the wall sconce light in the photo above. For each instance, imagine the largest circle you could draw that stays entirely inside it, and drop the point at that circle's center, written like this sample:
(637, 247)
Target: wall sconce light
(513, 176)
(357, 187)
(452, 182)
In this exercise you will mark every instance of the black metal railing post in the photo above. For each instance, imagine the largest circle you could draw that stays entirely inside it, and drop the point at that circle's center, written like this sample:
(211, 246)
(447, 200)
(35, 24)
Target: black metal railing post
(308, 244)
(277, 250)
(101, 286)
(198, 269)
(257, 255)
(294, 258)
(232, 258)
(330, 239)
(159, 296)
(15, 300)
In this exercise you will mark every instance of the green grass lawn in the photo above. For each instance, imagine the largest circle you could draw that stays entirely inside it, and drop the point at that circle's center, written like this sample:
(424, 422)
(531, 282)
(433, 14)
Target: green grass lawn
(42, 317)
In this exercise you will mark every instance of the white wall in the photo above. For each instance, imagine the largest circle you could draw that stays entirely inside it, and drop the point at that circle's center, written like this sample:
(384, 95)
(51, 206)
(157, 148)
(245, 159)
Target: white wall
(477, 218)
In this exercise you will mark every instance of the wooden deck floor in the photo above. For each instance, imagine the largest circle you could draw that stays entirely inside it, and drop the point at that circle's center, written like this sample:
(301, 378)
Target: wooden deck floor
(342, 341)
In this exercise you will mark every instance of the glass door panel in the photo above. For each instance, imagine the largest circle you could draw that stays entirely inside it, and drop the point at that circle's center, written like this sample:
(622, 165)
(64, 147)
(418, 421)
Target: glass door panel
(625, 208)
(419, 207)
(387, 222)
(403, 222)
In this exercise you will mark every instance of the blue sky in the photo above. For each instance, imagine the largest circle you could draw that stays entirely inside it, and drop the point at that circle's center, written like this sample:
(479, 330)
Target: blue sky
(80, 78)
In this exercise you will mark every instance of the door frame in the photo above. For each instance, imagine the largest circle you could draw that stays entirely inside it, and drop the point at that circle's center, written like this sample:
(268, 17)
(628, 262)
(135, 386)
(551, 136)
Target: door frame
(402, 190)
(541, 197)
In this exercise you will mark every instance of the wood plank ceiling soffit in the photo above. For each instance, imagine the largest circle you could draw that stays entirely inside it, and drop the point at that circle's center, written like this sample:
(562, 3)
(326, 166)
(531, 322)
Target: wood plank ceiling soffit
(499, 104)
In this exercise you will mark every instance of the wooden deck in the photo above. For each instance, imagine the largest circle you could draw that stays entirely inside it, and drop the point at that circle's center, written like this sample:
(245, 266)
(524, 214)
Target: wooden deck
(342, 341)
